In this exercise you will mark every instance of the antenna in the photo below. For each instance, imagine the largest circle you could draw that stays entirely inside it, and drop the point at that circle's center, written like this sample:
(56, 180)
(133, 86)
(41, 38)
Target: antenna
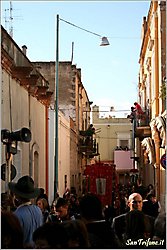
(72, 52)
(5, 20)
(11, 20)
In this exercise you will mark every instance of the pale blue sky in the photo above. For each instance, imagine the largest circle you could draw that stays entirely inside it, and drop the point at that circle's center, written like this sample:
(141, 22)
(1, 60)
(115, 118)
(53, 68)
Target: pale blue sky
(109, 74)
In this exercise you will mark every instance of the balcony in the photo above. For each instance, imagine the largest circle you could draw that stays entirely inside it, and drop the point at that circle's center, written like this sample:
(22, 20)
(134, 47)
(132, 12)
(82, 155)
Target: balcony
(141, 127)
(45, 98)
(87, 144)
(28, 77)
(123, 160)
(143, 132)
(21, 72)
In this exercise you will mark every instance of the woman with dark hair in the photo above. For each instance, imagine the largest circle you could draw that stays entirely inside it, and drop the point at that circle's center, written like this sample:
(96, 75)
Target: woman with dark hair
(151, 207)
(77, 234)
(150, 189)
(51, 235)
(11, 231)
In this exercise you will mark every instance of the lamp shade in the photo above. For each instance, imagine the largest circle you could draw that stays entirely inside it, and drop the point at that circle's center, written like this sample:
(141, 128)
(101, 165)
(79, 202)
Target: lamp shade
(104, 41)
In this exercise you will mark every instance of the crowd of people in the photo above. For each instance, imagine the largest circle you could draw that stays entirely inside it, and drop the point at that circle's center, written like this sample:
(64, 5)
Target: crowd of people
(133, 220)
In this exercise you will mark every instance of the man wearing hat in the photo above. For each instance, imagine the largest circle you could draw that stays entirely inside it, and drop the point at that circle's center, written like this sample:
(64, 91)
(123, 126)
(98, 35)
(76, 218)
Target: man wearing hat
(29, 215)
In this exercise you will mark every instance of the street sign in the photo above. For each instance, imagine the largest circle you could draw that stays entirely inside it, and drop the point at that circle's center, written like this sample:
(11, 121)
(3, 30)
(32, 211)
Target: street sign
(3, 172)
(163, 161)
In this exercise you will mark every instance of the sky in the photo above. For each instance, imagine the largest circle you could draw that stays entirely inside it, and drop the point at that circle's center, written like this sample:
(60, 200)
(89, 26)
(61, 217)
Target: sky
(108, 73)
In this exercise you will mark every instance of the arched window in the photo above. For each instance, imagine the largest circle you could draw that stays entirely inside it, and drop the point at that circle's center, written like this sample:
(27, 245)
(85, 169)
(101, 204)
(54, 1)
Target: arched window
(17, 160)
(36, 168)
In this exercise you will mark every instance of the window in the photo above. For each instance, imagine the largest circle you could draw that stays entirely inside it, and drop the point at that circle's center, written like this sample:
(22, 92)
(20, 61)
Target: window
(124, 139)
(17, 164)
(36, 168)
(72, 181)
(65, 182)
(123, 143)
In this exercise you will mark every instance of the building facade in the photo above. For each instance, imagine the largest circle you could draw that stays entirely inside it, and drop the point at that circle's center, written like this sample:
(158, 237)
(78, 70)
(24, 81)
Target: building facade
(24, 104)
(74, 105)
(28, 101)
(114, 139)
(151, 136)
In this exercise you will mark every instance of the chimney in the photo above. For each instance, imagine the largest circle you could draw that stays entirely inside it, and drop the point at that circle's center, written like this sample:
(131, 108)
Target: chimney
(24, 49)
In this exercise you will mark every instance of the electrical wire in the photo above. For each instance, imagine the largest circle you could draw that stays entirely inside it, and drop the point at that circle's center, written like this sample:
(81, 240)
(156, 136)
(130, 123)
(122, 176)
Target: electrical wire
(116, 37)
(80, 28)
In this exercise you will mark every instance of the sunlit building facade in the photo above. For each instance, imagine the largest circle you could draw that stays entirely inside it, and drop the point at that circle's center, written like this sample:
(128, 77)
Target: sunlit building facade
(152, 98)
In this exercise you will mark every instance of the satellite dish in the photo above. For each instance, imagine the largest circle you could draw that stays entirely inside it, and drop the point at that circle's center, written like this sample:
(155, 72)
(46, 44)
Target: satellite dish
(3, 172)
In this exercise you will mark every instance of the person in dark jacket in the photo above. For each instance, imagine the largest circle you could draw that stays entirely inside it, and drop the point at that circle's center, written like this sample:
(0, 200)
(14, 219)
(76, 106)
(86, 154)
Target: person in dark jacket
(11, 231)
(100, 232)
(160, 229)
(151, 206)
(137, 225)
(119, 223)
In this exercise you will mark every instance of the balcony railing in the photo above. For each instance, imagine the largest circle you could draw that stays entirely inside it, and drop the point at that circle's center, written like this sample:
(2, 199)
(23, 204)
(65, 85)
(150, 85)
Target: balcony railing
(141, 126)
(87, 144)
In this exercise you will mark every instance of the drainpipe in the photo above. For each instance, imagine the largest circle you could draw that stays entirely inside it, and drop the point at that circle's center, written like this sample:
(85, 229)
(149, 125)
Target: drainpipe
(156, 74)
(46, 149)
(29, 120)
(157, 153)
